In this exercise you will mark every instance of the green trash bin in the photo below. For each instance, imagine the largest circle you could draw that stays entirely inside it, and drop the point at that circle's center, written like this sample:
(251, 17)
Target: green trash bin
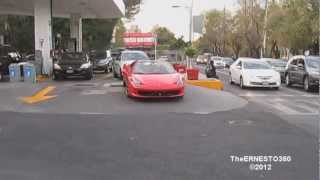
(29, 73)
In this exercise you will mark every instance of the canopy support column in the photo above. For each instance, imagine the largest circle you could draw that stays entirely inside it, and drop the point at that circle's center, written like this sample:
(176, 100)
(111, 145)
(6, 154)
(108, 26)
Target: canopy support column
(76, 30)
(43, 32)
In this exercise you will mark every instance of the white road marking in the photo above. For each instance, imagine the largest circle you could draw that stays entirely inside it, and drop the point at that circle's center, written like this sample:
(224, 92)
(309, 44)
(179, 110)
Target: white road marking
(91, 113)
(307, 108)
(201, 113)
(249, 94)
(285, 109)
(94, 92)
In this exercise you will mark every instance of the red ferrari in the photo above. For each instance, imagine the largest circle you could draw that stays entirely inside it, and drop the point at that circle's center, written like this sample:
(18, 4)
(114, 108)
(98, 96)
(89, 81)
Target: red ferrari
(152, 79)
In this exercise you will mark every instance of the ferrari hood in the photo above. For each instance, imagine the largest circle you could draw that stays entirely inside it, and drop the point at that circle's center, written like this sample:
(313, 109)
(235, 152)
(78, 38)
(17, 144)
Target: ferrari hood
(157, 80)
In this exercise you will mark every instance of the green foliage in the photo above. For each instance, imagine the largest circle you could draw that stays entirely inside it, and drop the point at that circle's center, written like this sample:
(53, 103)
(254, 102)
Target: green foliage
(167, 40)
(164, 35)
(292, 24)
(190, 51)
(120, 29)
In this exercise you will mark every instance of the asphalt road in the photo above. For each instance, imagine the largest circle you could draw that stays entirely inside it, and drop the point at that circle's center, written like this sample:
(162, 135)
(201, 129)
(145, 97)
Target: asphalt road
(291, 104)
(158, 144)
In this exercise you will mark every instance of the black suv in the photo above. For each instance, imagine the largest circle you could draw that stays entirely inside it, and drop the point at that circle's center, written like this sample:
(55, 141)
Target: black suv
(303, 70)
(72, 64)
(8, 55)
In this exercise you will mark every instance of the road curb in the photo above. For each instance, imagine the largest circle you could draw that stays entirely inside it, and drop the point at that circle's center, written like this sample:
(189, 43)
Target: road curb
(208, 83)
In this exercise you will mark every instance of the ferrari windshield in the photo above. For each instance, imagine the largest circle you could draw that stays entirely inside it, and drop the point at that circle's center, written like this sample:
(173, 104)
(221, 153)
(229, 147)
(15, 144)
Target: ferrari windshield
(256, 65)
(153, 67)
(129, 56)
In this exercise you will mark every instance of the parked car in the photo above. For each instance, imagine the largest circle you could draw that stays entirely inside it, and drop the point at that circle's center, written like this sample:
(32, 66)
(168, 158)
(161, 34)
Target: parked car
(200, 59)
(163, 58)
(278, 65)
(127, 57)
(101, 62)
(227, 62)
(303, 70)
(248, 72)
(152, 79)
(73, 64)
(218, 62)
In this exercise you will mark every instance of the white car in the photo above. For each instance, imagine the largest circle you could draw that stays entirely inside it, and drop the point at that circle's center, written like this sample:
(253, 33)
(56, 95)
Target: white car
(218, 62)
(127, 57)
(249, 72)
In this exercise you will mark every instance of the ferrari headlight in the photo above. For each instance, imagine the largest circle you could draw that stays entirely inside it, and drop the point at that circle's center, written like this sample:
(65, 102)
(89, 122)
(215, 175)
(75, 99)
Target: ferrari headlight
(56, 66)
(85, 66)
(136, 81)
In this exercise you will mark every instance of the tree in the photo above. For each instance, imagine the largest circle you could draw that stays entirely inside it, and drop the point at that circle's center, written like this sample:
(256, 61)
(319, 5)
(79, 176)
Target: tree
(164, 36)
(120, 29)
(190, 51)
(132, 7)
(179, 44)
(98, 33)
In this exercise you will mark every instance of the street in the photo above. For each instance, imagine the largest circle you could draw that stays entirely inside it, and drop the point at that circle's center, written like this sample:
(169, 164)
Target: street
(292, 104)
(91, 131)
(159, 90)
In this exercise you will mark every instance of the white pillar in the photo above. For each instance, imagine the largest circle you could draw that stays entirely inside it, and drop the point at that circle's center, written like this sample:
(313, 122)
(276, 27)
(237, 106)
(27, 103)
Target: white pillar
(43, 34)
(76, 30)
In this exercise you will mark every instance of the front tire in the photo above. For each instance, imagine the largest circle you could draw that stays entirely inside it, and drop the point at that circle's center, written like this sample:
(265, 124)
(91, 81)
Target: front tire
(306, 84)
(288, 82)
(230, 80)
(89, 76)
(242, 86)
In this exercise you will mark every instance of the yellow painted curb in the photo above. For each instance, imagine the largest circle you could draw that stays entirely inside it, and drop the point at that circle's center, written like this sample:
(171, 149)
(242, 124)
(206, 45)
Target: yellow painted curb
(41, 78)
(211, 84)
(39, 96)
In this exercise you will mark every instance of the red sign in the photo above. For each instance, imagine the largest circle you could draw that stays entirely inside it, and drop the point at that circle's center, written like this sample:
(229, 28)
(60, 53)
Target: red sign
(134, 40)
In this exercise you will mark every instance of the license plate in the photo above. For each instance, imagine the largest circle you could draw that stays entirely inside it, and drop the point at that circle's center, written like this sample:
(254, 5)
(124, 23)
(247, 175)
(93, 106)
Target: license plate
(69, 71)
(265, 83)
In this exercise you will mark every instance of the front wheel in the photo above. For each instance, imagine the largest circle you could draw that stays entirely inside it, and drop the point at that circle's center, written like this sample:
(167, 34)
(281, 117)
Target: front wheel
(230, 80)
(89, 76)
(242, 86)
(306, 84)
(288, 82)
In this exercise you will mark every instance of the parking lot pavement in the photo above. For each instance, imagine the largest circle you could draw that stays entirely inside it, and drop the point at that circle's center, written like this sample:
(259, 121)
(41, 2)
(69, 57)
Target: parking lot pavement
(104, 95)
(92, 131)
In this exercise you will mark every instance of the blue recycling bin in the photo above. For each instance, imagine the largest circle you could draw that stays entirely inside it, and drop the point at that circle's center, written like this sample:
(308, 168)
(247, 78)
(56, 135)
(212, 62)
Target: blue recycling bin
(15, 72)
(29, 73)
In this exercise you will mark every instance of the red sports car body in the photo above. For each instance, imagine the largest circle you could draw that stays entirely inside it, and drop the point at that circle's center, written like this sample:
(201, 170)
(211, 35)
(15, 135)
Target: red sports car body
(152, 79)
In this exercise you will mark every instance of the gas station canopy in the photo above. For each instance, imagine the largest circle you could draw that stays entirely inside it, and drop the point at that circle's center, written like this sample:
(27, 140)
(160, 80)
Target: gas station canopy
(76, 10)
(63, 8)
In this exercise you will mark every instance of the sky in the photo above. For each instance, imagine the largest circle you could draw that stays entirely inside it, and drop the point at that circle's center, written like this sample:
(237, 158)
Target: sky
(160, 12)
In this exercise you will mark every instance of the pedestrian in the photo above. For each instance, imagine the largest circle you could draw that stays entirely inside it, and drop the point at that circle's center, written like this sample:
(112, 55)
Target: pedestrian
(211, 72)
